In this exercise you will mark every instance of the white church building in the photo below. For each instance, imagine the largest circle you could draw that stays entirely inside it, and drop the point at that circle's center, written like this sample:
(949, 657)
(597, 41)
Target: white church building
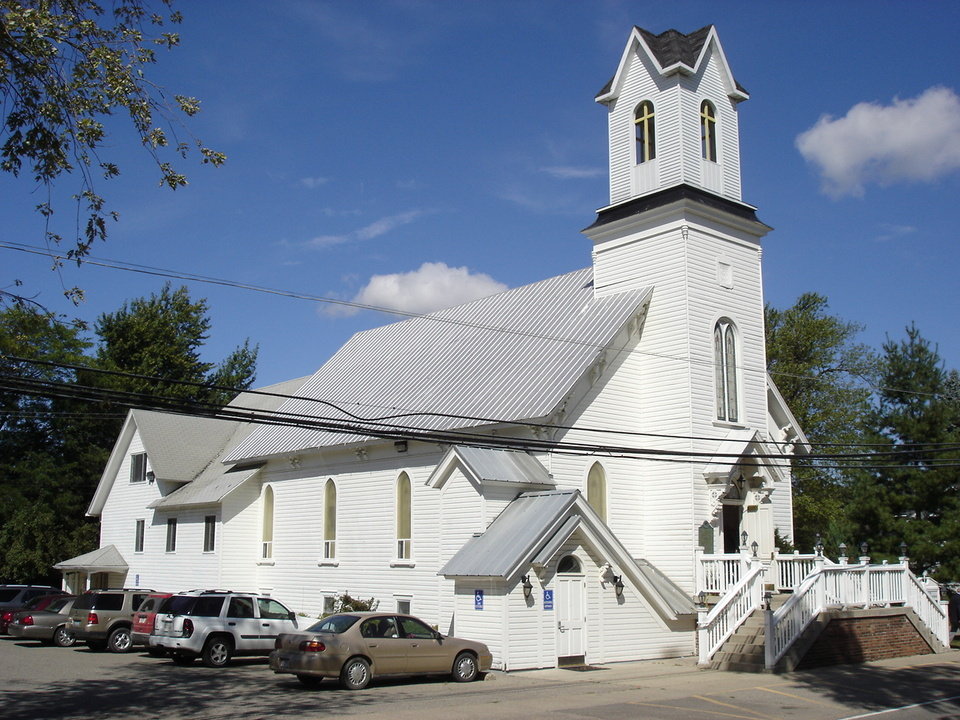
(536, 469)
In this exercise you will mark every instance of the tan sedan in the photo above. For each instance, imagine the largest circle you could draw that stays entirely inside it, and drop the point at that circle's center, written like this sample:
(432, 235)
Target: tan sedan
(356, 647)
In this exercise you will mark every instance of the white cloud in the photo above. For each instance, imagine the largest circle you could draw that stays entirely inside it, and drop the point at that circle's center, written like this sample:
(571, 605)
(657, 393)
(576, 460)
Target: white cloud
(368, 232)
(889, 232)
(313, 182)
(917, 139)
(433, 286)
(566, 172)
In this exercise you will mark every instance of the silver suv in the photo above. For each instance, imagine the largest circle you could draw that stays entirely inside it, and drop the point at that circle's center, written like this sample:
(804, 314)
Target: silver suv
(218, 624)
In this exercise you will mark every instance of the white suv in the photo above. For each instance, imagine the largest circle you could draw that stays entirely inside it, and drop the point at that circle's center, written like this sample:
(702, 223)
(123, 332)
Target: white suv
(218, 624)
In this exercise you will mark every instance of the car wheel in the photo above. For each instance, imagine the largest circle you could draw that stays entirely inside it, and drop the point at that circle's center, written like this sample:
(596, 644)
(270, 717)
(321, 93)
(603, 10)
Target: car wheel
(217, 652)
(182, 658)
(310, 681)
(97, 645)
(62, 637)
(465, 668)
(355, 674)
(120, 640)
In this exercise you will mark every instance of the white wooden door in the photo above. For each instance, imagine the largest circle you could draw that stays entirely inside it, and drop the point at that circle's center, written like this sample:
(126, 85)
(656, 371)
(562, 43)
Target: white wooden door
(570, 612)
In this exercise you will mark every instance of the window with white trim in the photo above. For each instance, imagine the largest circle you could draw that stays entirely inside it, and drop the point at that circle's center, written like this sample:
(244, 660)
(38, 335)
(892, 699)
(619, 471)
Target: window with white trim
(138, 467)
(171, 535)
(726, 370)
(266, 530)
(404, 518)
(209, 533)
(329, 520)
(138, 534)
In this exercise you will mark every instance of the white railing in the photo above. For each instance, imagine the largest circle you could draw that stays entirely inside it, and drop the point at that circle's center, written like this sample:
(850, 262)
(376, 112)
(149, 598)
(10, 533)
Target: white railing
(842, 586)
(718, 572)
(726, 616)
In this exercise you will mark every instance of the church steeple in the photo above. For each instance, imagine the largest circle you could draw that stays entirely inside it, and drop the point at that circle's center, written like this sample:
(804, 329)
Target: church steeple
(672, 108)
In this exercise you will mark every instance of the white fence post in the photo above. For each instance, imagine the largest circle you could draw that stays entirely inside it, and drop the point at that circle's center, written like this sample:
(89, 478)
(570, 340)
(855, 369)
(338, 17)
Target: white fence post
(698, 569)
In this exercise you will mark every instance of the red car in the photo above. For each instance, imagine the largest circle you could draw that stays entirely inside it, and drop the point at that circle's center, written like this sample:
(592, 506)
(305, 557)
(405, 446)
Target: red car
(143, 620)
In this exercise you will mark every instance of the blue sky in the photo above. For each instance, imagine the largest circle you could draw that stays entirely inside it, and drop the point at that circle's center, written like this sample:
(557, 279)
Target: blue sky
(417, 152)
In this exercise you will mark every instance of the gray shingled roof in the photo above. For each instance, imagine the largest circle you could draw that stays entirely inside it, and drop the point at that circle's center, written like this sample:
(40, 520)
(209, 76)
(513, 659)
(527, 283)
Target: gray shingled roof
(506, 358)
(672, 47)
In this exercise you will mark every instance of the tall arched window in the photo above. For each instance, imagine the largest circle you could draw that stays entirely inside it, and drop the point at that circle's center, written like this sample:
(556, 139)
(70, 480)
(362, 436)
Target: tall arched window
(266, 528)
(708, 131)
(646, 135)
(404, 524)
(597, 490)
(329, 520)
(725, 364)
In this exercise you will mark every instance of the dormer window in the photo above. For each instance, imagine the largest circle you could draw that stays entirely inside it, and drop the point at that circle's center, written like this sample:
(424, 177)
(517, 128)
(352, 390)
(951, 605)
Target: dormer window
(708, 131)
(646, 135)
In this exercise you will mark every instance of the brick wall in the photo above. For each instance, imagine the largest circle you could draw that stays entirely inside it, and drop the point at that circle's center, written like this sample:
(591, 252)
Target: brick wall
(855, 640)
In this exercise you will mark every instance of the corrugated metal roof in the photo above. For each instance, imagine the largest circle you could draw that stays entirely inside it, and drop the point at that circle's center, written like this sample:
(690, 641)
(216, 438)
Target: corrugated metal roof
(516, 534)
(105, 559)
(210, 488)
(678, 601)
(504, 465)
(507, 357)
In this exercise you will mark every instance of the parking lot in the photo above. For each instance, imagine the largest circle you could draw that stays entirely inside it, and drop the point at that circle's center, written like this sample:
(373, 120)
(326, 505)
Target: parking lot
(49, 682)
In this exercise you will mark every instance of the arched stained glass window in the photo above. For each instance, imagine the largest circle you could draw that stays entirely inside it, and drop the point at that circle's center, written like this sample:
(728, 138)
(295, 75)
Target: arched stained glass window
(329, 520)
(404, 518)
(725, 368)
(266, 528)
(646, 132)
(597, 490)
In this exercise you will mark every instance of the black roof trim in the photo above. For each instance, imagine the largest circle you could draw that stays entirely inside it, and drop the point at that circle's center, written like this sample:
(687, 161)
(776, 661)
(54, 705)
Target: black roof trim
(645, 203)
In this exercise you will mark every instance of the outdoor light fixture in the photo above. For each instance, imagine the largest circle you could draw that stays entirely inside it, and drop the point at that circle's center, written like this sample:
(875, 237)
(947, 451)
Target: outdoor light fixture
(743, 538)
(818, 548)
(400, 446)
(754, 546)
(843, 549)
(903, 548)
(618, 584)
(527, 587)
(864, 547)
(151, 476)
(702, 598)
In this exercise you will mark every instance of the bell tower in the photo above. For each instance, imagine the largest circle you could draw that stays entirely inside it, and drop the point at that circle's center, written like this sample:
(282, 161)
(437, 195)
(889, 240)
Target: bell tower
(672, 114)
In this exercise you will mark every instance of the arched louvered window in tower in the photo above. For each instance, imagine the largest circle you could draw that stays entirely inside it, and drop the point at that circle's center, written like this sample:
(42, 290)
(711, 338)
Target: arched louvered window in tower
(643, 119)
(708, 131)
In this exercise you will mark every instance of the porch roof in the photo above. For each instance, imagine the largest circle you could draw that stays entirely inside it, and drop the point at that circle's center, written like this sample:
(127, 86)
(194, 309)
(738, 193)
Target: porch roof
(105, 559)
(209, 489)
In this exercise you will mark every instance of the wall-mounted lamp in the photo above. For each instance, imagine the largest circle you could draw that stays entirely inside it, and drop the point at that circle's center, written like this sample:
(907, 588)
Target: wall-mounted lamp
(400, 446)
(151, 476)
(618, 584)
(754, 546)
(527, 587)
(743, 538)
(702, 599)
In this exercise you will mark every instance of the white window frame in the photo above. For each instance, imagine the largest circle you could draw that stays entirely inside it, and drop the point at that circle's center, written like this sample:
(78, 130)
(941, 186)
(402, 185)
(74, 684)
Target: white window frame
(171, 544)
(138, 467)
(726, 354)
(209, 533)
(139, 534)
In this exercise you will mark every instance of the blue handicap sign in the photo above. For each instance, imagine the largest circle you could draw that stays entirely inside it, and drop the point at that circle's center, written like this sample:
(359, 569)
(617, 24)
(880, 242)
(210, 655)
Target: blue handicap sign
(478, 599)
(548, 599)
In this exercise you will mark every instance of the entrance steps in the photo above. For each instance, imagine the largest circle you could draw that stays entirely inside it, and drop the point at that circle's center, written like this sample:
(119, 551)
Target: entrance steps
(744, 650)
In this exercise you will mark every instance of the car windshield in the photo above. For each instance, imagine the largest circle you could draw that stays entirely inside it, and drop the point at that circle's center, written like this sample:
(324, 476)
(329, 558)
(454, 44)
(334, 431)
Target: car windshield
(334, 624)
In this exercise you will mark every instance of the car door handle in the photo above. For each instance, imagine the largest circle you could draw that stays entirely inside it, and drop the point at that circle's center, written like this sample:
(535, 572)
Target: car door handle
(266, 624)
(231, 624)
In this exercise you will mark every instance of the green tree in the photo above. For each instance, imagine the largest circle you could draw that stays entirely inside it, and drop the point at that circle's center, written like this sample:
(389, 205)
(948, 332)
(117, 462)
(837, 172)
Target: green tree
(821, 371)
(151, 347)
(65, 67)
(912, 495)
